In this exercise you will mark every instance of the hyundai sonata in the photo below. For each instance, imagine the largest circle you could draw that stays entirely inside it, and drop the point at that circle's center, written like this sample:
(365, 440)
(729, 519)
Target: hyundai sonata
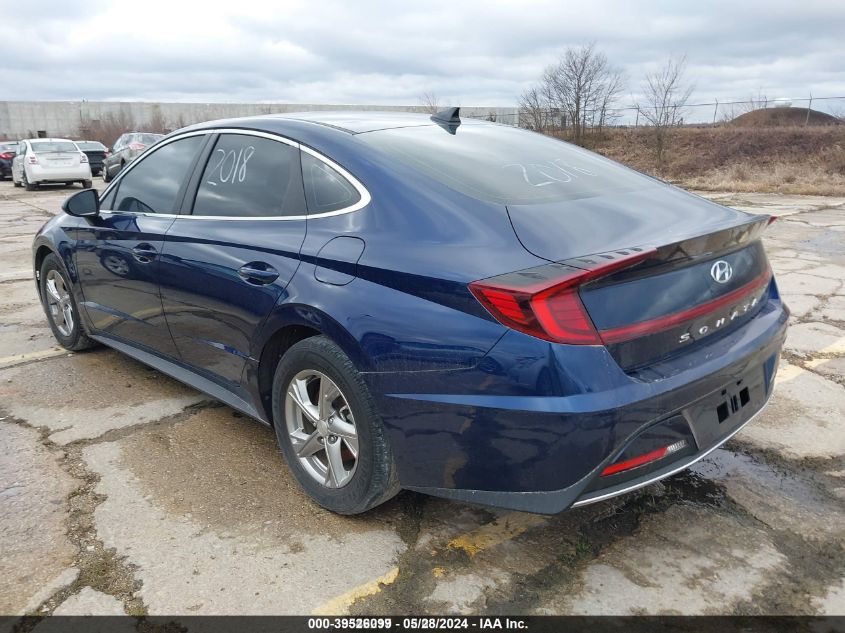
(450, 306)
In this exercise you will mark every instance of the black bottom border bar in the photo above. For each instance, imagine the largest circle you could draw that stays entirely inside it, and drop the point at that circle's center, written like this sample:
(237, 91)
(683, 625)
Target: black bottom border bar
(535, 624)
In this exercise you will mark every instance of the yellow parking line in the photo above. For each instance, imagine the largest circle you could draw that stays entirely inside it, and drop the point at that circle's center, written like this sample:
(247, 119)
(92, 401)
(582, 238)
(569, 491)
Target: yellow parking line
(340, 604)
(10, 361)
(503, 529)
(837, 347)
(787, 373)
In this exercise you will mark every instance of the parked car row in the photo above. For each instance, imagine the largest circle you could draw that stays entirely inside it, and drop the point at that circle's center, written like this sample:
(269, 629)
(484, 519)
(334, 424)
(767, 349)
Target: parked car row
(32, 162)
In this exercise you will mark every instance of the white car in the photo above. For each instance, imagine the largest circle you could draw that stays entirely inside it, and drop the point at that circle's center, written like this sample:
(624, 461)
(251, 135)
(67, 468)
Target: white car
(46, 160)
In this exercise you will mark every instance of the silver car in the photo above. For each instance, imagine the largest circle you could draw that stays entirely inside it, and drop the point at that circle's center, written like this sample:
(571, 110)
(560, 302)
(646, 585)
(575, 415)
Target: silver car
(125, 150)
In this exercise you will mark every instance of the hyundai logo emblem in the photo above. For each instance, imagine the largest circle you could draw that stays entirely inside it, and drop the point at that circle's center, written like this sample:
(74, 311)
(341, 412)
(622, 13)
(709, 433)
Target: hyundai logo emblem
(721, 272)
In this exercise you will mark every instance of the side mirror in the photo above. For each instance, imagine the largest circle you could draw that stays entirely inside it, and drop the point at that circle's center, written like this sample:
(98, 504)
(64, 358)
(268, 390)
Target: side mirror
(83, 204)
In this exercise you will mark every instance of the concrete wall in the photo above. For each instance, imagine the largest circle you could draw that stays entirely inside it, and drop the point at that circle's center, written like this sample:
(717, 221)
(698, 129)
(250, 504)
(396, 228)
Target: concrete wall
(75, 119)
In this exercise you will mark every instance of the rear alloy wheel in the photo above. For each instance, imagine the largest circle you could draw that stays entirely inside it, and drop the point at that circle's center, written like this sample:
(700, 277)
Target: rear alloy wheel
(321, 428)
(329, 430)
(60, 307)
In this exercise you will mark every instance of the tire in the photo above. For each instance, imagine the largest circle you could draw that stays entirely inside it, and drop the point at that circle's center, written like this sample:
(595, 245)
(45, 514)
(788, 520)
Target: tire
(15, 182)
(350, 488)
(60, 307)
(87, 184)
(27, 185)
(106, 176)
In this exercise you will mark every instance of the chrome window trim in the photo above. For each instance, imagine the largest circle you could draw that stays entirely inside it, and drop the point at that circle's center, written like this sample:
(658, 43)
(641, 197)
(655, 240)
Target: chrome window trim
(365, 197)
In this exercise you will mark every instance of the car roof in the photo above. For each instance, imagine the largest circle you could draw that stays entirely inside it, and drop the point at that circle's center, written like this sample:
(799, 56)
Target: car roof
(48, 140)
(356, 122)
(349, 121)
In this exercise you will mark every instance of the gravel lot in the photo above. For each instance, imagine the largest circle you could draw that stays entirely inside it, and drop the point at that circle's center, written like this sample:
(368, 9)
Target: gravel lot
(123, 491)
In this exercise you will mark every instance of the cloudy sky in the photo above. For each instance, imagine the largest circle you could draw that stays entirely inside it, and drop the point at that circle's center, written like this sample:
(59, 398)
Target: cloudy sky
(366, 52)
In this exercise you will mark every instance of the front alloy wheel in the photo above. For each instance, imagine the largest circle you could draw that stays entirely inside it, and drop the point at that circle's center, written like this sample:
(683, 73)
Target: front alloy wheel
(59, 303)
(321, 428)
(60, 307)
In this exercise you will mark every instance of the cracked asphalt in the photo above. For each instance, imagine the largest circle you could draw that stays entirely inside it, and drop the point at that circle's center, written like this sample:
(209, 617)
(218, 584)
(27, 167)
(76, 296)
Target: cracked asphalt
(124, 492)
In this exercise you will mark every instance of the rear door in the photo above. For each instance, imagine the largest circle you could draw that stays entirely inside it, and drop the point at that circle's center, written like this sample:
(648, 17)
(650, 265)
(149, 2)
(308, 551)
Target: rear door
(118, 253)
(227, 261)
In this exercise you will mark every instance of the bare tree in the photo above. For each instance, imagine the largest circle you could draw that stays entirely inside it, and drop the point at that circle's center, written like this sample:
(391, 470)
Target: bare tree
(666, 95)
(157, 122)
(582, 85)
(606, 96)
(430, 102)
(108, 128)
(534, 109)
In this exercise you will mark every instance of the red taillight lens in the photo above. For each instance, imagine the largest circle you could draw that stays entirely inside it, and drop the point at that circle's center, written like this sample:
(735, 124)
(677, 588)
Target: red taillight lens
(642, 460)
(6, 155)
(137, 146)
(32, 160)
(772, 218)
(106, 153)
(544, 301)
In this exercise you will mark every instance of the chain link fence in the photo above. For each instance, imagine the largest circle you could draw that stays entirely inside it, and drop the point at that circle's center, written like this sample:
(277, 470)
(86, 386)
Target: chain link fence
(789, 111)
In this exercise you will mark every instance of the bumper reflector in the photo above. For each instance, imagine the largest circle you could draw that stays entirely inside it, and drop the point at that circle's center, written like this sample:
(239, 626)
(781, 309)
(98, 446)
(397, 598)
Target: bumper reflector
(646, 458)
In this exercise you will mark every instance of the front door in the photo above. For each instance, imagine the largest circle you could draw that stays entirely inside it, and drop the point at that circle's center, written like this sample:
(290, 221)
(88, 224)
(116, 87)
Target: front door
(226, 265)
(118, 254)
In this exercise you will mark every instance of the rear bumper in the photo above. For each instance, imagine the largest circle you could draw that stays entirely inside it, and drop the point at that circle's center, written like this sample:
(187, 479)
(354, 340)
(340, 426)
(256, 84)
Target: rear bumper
(544, 454)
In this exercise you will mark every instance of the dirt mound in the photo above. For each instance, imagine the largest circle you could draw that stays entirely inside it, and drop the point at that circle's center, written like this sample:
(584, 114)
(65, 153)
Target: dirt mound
(780, 117)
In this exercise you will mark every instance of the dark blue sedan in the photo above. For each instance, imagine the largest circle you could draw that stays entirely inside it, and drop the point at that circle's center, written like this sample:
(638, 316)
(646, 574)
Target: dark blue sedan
(450, 306)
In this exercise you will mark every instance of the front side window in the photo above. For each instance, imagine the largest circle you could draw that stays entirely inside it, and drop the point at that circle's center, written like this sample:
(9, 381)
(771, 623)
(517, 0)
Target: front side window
(250, 176)
(152, 186)
(325, 188)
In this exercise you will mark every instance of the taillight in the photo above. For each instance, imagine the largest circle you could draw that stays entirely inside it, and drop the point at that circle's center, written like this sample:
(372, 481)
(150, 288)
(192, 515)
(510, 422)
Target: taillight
(544, 301)
(6, 155)
(83, 158)
(32, 160)
(137, 146)
(106, 153)
(772, 218)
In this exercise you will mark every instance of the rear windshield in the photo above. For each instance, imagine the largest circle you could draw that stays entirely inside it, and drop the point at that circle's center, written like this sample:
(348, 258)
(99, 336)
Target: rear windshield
(506, 165)
(90, 145)
(8, 147)
(147, 139)
(47, 147)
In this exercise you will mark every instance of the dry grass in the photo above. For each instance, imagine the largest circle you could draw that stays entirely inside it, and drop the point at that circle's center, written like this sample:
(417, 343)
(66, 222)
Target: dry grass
(796, 160)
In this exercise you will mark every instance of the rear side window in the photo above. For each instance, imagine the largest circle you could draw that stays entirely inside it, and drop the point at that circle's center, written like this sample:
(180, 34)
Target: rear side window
(506, 165)
(251, 176)
(152, 186)
(325, 189)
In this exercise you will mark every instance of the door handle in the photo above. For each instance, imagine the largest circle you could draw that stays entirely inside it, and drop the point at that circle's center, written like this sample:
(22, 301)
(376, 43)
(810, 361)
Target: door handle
(144, 253)
(258, 273)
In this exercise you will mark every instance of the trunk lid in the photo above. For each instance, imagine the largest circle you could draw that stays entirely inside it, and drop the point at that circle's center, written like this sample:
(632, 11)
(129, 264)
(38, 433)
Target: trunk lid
(707, 273)
(654, 215)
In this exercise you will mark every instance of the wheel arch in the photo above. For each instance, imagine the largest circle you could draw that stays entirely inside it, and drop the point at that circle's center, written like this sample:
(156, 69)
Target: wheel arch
(41, 253)
(284, 328)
